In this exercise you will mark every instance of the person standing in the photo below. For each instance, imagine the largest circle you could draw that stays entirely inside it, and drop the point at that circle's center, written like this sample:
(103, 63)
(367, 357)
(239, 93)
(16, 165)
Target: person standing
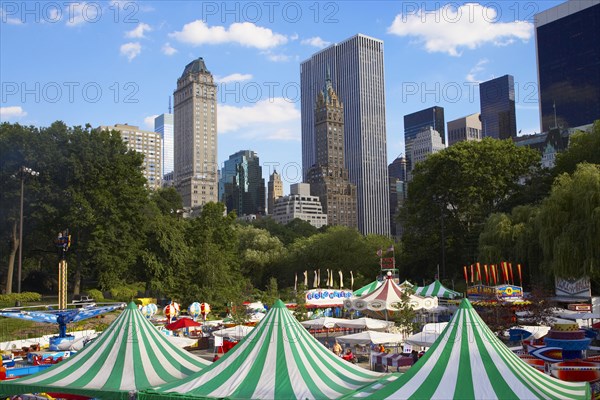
(337, 349)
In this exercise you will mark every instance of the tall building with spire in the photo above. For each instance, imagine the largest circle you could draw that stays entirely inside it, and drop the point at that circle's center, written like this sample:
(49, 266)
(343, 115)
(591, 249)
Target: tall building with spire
(275, 191)
(195, 136)
(357, 73)
(328, 178)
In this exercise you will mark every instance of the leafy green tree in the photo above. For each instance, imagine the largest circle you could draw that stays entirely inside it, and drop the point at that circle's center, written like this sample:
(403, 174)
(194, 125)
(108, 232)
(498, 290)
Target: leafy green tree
(583, 147)
(259, 253)
(570, 224)
(459, 187)
(168, 200)
(272, 293)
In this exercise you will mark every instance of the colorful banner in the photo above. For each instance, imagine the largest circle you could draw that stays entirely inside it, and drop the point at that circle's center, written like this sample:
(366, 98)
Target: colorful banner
(580, 287)
(326, 298)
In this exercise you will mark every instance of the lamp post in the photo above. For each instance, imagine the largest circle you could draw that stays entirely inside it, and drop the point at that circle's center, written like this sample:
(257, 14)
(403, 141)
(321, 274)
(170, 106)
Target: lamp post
(23, 172)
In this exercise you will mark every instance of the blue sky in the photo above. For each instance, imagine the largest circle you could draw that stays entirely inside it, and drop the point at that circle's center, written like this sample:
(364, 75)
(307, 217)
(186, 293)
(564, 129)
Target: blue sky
(117, 62)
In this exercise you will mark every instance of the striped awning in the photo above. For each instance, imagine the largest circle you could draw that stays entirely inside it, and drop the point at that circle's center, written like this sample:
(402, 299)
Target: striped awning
(438, 290)
(131, 354)
(468, 361)
(279, 359)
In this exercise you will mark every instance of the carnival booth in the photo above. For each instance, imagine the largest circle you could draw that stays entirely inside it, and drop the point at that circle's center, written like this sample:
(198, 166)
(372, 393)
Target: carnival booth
(468, 361)
(279, 359)
(131, 354)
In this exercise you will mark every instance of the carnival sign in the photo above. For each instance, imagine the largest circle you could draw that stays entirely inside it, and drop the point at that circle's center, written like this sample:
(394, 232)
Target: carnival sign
(327, 297)
(509, 292)
(580, 287)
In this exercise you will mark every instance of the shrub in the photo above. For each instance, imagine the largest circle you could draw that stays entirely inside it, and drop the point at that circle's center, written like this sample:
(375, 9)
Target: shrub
(96, 294)
(25, 297)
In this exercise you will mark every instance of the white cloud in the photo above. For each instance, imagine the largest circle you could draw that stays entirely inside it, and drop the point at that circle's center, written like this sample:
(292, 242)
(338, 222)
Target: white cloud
(236, 77)
(139, 31)
(316, 42)
(477, 68)
(11, 112)
(449, 28)
(149, 121)
(273, 119)
(7, 19)
(168, 50)
(295, 36)
(245, 33)
(131, 50)
(276, 57)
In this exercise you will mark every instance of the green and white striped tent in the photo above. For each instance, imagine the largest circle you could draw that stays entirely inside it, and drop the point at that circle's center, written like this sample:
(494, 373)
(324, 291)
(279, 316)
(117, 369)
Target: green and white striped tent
(367, 288)
(468, 361)
(131, 354)
(436, 289)
(279, 359)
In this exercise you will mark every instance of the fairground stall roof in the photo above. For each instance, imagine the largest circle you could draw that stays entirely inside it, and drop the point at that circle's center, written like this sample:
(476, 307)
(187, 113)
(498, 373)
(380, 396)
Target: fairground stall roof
(468, 361)
(279, 359)
(438, 290)
(131, 354)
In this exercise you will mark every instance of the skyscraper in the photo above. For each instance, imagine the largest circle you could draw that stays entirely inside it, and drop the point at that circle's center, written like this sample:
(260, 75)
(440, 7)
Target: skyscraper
(497, 100)
(163, 125)
(275, 191)
(464, 129)
(357, 74)
(397, 174)
(427, 142)
(414, 123)
(195, 135)
(328, 177)
(241, 186)
(568, 60)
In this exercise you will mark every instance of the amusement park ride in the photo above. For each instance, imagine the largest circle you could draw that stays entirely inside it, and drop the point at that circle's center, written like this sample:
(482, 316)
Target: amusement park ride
(60, 316)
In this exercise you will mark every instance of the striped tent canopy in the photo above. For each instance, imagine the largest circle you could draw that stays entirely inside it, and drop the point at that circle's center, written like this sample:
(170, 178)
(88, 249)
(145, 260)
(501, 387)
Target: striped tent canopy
(438, 290)
(387, 300)
(367, 289)
(468, 361)
(128, 356)
(279, 359)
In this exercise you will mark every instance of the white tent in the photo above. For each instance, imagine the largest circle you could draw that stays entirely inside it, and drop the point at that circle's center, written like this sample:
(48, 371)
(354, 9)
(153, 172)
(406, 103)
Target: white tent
(235, 332)
(368, 337)
(320, 323)
(423, 339)
(435, 327)
(364, 323)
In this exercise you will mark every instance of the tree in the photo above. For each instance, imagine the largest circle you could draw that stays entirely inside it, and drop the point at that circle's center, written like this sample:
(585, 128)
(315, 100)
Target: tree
(259, 253)
(459, 186)
(570, 224)
(583, 147)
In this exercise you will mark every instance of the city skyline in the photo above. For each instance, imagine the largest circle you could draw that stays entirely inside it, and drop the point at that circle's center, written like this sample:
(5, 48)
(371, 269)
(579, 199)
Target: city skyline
(146, 45)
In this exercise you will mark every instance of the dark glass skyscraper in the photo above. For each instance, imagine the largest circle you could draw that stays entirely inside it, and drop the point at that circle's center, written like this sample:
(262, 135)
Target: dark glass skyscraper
(497, 99)
(241, 186)
(417, 121)
(568, 57)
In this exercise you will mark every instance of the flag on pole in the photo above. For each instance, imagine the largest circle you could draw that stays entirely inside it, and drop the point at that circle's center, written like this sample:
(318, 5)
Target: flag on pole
(472, 274)
(505, 271)
(316, 281)
(520, 277)
(331, 279)
(295, 282)
(379, 252)
(512, 278)
(341, 279)
(306, 279)
(478, 272)
(466, 275)
(487, 277)
(351, 280)
(494, 272)
(319, 277)
(327, 284)
(391, 248)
